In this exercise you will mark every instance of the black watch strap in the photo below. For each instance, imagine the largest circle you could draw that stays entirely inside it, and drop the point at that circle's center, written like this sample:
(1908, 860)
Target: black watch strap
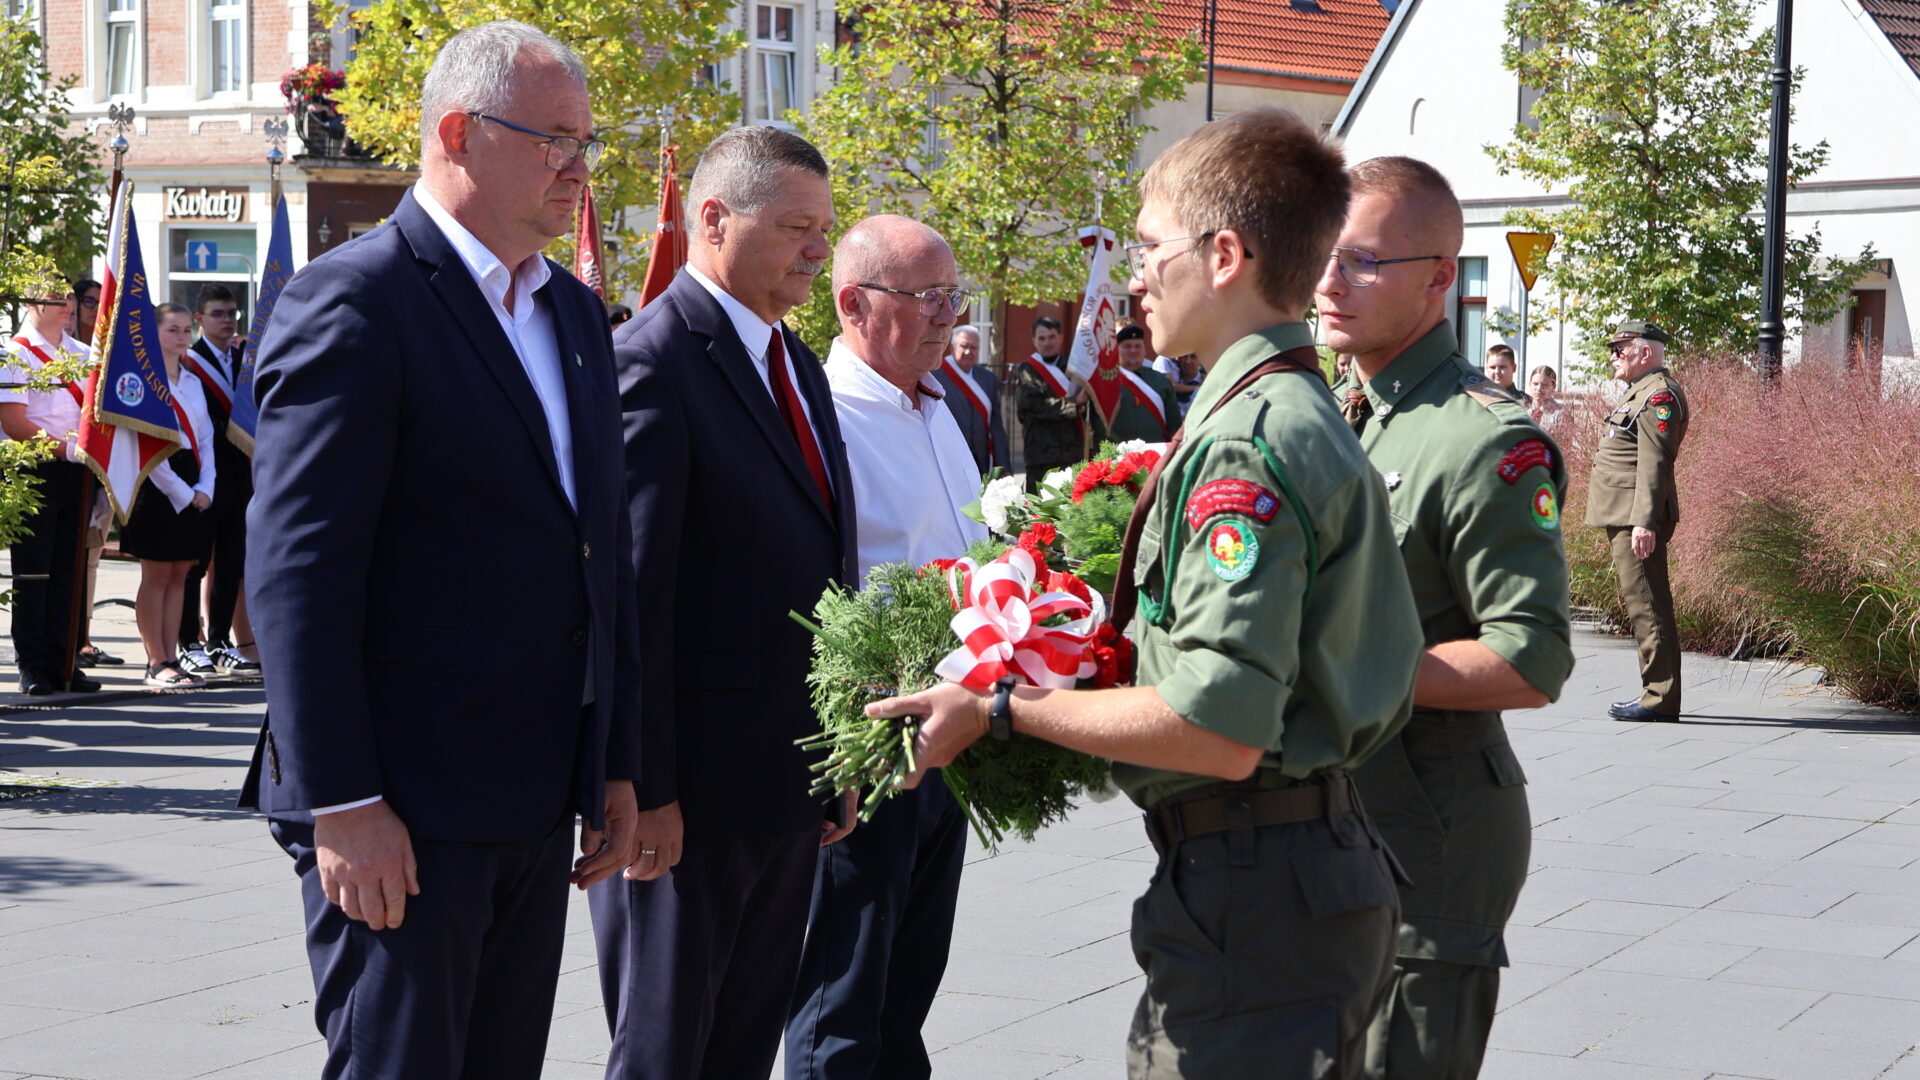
(1000, 716)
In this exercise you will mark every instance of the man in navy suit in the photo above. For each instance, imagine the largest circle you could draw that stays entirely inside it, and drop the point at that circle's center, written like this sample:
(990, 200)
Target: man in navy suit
(973, 397)
(436, 569)
(742, 511)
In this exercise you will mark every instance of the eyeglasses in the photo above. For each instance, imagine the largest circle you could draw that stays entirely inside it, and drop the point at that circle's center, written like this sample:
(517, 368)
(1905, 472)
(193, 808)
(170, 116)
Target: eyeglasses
(955, 299)
(1615, 348)
(562, 150)
(90, 301)
(1361, 268)
(1137, 253)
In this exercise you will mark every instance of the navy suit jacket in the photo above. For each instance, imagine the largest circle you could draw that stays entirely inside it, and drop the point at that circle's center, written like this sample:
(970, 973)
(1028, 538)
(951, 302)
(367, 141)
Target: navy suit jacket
(431, 610)
(730, 535)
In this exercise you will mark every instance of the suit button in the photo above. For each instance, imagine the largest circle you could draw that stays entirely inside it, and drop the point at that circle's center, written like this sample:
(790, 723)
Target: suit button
(586, 551)
(578, 637)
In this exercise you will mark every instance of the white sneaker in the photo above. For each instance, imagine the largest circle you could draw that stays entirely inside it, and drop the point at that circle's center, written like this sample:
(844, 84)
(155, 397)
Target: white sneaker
(195, 661)
(230, 661)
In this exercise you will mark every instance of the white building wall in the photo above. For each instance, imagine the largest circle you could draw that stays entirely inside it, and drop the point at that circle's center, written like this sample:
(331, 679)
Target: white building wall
(1442, 95)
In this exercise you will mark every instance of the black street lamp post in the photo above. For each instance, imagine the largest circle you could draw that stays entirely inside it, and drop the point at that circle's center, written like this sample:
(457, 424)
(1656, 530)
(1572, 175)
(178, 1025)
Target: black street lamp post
(1773, 327)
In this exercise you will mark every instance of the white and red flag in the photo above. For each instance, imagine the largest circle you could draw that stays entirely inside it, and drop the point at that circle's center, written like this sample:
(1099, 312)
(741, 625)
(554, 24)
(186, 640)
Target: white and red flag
(129, 420)
(588, 256)
(670, 234)
(1096, 354)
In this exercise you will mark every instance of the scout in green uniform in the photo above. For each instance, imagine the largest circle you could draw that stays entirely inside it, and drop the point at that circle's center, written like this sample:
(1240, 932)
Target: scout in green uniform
(1630, 493)
(1475, 489)
(1053, 429)
(1131, 419)
(1277, 639)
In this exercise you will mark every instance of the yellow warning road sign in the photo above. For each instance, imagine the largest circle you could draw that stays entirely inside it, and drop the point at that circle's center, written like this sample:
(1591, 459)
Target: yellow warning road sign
(1529, 251)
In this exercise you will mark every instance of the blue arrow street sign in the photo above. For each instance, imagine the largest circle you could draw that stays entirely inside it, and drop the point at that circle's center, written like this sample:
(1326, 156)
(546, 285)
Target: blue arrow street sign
(203, 256)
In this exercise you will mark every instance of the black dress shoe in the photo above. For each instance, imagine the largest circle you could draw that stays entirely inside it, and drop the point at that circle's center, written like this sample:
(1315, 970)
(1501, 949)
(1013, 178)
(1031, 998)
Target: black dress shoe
(33, 687)
(1627, 704)
(83, 685)
(1633, 710)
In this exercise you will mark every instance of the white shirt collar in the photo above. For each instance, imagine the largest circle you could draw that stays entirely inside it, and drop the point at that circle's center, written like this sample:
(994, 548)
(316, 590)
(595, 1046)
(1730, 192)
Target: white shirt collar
(67, 341)
(755, 333)
(862, 382)
(488, 271)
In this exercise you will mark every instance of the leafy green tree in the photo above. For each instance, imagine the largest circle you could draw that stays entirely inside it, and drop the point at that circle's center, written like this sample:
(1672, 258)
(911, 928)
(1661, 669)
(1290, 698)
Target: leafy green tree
(994, 121)
(645, 68)
(1653, 116)
(50, 217)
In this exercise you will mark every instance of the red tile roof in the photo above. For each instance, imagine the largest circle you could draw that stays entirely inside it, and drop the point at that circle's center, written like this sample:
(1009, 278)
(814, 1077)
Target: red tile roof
(1900, 20)
(1315, 39)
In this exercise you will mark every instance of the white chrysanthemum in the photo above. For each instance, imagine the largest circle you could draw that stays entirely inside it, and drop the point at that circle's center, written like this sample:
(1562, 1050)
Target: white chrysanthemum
(1060, 480)
(997, 498)
(1131, 446)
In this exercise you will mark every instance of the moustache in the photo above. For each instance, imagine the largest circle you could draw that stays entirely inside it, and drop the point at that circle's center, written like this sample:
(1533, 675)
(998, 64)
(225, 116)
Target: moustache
(809, 267)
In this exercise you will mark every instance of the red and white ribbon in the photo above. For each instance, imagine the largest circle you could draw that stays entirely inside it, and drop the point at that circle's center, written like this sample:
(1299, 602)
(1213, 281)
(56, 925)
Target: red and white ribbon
(1000, 631)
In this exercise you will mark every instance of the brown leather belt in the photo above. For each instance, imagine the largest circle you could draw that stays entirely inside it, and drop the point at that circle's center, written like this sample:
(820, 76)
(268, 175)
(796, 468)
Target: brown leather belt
(1326, 795)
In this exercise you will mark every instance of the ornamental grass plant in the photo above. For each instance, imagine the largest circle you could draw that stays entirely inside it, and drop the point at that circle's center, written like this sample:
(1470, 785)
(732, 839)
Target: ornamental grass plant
(1799, 525)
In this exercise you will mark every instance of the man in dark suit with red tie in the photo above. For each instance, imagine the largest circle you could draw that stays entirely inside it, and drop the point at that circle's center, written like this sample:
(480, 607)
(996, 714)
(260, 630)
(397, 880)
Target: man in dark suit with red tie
(436, 373)
(742, 511)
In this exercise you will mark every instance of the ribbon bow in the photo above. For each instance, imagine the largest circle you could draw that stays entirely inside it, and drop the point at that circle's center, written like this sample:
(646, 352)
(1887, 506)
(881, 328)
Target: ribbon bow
(1000, 631)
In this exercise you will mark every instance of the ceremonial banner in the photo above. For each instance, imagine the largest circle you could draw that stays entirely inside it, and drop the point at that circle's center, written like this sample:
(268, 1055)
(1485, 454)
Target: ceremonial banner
(1096, 355)
(244, 417)
(670, 234)
(128, 420)
(587, 257)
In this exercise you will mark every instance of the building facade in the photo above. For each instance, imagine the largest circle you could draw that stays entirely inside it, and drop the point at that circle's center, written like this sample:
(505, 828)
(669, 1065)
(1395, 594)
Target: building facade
(1436, 90)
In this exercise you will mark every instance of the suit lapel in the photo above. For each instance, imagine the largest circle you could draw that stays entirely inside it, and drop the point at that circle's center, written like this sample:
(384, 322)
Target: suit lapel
(579, 403)
(469, 310)
(811, 380)
(729, 354)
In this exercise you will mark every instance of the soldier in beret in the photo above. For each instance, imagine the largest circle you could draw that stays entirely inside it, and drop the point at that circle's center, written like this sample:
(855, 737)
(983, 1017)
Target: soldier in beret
(1631, 494)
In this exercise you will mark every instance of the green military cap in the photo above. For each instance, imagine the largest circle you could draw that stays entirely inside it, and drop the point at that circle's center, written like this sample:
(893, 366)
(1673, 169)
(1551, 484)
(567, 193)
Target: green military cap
(1640, 328)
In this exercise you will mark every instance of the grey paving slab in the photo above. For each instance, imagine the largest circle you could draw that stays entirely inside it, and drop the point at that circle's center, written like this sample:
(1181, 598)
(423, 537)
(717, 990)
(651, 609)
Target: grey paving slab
(1724, 897)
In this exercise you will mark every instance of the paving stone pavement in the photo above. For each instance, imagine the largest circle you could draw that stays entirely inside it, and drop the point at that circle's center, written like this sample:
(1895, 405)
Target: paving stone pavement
(1728, 898)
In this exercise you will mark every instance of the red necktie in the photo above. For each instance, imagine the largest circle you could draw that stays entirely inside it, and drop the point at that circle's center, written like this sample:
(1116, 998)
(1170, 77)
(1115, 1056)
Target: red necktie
(788, 399)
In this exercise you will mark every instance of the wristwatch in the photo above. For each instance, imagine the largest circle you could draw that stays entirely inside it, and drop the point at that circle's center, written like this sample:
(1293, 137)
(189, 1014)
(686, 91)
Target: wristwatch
(1000, 716)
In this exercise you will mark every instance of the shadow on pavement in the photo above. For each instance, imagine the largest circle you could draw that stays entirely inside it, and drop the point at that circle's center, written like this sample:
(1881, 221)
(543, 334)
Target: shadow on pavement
(22, 874)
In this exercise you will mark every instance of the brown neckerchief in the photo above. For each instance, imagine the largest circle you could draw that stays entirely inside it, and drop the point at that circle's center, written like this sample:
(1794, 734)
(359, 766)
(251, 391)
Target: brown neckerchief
(1304, 358)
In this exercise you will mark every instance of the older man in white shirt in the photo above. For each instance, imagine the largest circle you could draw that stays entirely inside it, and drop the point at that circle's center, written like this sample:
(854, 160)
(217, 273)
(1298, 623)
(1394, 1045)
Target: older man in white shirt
(884, 898)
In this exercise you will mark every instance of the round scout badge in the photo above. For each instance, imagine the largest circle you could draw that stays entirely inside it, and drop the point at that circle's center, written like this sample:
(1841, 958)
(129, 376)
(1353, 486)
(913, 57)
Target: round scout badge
(1546, 508)
(1232, 549)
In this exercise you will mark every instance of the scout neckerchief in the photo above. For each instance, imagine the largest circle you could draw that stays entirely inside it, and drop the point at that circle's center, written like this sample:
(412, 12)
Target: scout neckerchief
(1125, 595)
(974, 397)
(79, 395)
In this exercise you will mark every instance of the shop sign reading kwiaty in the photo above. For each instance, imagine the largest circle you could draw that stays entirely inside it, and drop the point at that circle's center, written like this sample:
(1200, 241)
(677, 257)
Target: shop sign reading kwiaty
(206, 204)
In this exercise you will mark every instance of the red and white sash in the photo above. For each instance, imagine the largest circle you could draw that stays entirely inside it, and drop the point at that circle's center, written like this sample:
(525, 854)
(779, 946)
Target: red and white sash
(974, 398)
(210, 377)
(1145, 395)
(1056, 382)
(79, 395)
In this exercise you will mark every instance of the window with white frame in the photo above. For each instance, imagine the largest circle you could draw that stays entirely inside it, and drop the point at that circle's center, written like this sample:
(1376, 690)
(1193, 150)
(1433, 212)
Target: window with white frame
(776, 46)
(1470, 295)
(226, 46)
(22, 9)
(123, 62)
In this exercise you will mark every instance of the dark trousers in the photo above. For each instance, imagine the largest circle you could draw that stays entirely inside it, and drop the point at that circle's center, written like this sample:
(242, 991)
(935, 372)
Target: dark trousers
(43, 563)
(464, 988)
(697, 967)
(1648, 596)
(1435, 1023)
(877, 938)
(1266, 951)
(229, 558)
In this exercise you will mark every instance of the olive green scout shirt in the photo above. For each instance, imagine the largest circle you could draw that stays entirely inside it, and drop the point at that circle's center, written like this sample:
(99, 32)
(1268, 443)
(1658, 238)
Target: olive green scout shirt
(1274, 608)
(1631, 481)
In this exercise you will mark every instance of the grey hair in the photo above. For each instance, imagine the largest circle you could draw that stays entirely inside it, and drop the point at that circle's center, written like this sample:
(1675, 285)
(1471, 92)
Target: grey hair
(742, 167)
(474, 71)
(967, 328)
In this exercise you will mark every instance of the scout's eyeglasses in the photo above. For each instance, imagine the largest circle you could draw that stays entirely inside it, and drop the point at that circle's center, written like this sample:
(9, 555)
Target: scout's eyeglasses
(1137, 253)
(562, 150)
(955, 299)
(1361, 268)
(1615, 348)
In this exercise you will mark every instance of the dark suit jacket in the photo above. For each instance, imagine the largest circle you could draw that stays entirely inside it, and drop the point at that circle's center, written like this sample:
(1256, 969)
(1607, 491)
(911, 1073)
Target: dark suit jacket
(233, 479)
(968, 417)
(430, 607)
(730, 535)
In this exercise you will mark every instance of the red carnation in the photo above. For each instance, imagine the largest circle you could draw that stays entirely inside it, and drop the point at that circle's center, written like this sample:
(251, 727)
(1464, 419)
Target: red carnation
(1112, 657)
(1068, 583)
(937, 566)
(1037, 537)
(1090, 477)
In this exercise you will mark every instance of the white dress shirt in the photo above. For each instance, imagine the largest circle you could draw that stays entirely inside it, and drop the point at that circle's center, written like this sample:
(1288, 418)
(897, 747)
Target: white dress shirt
(529, 327)
(757, 335)
(52, 411)
(193, 401)
(911, 469)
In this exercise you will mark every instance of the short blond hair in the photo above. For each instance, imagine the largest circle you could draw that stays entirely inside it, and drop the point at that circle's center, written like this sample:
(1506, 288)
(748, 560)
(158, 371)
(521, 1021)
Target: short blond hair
(1414, 181)
(1269, 176)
